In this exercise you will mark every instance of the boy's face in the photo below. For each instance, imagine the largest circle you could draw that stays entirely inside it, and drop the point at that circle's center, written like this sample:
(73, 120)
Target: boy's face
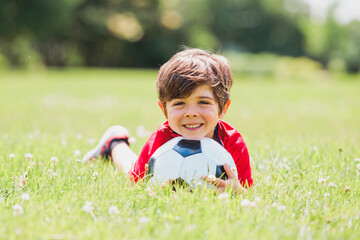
(196, 116)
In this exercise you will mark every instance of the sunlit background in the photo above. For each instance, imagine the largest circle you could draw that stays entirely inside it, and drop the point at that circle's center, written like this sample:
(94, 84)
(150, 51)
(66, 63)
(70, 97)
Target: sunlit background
(37, 34)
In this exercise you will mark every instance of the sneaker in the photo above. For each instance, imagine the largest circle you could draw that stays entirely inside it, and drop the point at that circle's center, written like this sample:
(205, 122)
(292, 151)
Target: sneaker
(116, 132)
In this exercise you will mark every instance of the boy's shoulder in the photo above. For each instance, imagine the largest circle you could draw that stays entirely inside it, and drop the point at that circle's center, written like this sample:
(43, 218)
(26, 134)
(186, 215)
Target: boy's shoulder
(228, 134)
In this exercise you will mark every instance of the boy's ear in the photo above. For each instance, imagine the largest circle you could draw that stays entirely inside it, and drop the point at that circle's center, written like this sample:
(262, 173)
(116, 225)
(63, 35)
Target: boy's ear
(225, 108)
(162, 107)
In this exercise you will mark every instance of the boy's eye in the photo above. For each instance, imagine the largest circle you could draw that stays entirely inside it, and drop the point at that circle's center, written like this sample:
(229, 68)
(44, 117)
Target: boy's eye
(204, 102)
(178, 103)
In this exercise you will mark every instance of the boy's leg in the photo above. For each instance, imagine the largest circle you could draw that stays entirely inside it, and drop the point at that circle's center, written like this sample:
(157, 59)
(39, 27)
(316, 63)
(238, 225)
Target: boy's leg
(114, 145)
(123, 157)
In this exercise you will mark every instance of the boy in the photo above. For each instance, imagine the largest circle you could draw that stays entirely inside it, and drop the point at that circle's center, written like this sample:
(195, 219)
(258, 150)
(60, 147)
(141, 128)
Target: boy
(194, 94)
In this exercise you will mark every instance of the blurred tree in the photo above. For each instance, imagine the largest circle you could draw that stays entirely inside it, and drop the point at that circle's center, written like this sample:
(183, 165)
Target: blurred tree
(145, 33)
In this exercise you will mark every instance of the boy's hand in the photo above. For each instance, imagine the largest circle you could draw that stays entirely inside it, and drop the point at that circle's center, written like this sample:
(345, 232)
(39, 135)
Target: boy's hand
(232, 181)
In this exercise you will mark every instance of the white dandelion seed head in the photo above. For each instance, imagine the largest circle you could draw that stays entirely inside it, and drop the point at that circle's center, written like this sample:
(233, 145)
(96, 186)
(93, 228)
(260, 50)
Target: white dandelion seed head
(88, 207)
(257, 199)
(54, 159)
(95, 174)
(327, 195)
(321, 180)
(28, 156)
(253, 204)
(223, 196)
(17, 210)
(211, 177)
(142, 132)
(91, 141)
(357, 160)
(79, 136)
(177, 218)
(190, 227)
(11, 155)
(63, 142)
(358, 166)
(78, 160)
(132, 140)
(113, 210)
(77, 152)
(144, 220)
(245, 203)
(332, 185)
(281, 207)
(25, 197)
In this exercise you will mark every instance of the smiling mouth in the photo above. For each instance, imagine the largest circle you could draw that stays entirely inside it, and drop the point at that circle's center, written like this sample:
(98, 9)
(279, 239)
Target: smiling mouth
(192, 126)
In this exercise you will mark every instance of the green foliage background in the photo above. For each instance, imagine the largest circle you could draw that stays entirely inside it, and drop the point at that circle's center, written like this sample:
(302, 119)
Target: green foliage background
(145, 33)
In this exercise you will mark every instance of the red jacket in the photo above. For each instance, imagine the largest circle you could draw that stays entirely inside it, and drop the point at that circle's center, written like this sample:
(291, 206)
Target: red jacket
(230, 139)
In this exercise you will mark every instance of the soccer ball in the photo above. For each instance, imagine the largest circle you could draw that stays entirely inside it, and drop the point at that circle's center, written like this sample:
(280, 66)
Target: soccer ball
(186, 160)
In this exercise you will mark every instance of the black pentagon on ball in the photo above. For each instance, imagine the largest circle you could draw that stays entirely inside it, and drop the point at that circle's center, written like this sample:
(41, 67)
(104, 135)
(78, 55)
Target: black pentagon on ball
(220, 172)
(188, 147)
(151, 165)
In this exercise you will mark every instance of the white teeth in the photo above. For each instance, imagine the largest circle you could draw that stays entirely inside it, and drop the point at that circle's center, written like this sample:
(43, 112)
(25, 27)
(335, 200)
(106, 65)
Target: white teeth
(192, 125)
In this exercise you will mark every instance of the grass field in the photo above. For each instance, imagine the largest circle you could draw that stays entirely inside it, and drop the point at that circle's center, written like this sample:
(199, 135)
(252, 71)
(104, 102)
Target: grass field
(303, 139)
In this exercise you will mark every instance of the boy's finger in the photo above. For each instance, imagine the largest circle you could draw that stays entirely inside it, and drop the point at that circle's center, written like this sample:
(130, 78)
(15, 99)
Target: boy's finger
(229, 172)
(214, 181)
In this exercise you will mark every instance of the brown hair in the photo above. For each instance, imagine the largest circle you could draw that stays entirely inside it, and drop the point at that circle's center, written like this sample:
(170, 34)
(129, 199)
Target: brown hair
(190, 68)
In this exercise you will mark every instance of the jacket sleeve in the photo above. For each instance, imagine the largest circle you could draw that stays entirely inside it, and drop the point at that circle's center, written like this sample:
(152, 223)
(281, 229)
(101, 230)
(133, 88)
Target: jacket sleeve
(153, 143)
(236, 146)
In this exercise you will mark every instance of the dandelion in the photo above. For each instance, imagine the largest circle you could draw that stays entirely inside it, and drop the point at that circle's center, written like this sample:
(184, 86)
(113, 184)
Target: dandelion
(223, 196)
(357, 160)
(358, 166)
(150, 191)
(142, 132)
(52, 175)
(77, 152)
(190, 227)
(113, 210)
(144, 220)
(22, 181)
(95, 174)
(245, 203)
(28, 156)
(257, 199)
(17, 210)
(91, 141)
(25, 197)
(327, 195)
(347, 188)
(63, 142)
(332, 185)
(132, 140)
(11, 156)
(79, 136)
(253, 204)
(78, 160)
(322, 180)
(88, 207)
(54, 161)
(211, 177)
(47, 219)
(281, 208)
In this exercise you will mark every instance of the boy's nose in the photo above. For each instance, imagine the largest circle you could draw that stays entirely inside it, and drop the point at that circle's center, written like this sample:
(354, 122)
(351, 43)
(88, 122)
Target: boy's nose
(191, 113)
